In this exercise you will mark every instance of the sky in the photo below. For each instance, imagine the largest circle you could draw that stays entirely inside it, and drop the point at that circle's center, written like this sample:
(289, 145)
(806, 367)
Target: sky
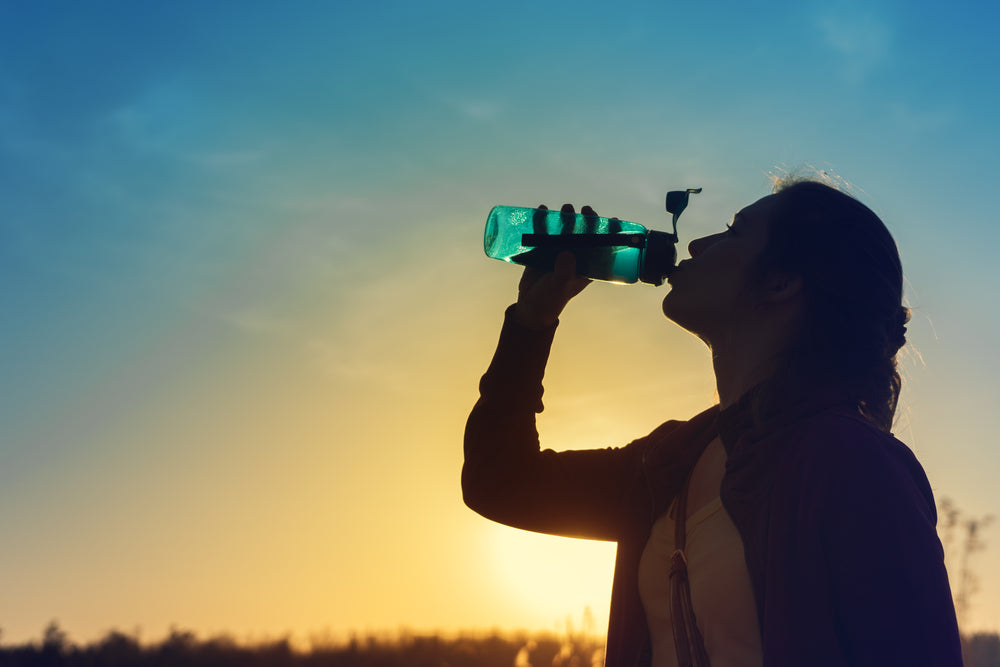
(245, 305)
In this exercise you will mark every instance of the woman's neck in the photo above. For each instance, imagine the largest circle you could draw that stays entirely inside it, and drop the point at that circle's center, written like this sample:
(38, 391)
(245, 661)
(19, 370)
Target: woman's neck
(742, 362)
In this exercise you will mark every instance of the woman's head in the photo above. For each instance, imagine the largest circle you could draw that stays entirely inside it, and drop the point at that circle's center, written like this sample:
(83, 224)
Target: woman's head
(852, 321)
(813, 273)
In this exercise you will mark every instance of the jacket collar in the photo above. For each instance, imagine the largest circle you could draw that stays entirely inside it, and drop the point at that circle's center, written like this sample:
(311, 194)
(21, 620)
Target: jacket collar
(737, 425)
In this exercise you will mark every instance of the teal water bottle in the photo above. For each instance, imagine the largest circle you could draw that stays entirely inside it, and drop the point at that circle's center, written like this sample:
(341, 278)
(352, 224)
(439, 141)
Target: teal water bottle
(606, 249)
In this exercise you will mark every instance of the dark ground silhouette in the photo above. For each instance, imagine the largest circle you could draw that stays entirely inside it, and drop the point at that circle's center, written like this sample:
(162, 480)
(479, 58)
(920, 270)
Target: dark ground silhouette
(117, 649)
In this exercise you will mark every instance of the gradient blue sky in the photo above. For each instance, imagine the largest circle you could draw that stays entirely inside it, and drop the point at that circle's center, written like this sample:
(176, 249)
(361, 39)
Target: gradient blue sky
(245, 305)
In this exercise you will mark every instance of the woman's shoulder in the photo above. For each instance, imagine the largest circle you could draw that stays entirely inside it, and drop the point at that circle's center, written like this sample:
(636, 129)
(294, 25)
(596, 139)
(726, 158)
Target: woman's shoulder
(838, 450)
(676, 435)
(842, 434)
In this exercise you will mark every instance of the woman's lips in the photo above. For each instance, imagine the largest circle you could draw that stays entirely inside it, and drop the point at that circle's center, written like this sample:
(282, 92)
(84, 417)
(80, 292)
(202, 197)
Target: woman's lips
(677, 269)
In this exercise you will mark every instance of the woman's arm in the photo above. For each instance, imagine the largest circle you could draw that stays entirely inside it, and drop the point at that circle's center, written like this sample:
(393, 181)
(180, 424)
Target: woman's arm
(507, 478)
(892, 600)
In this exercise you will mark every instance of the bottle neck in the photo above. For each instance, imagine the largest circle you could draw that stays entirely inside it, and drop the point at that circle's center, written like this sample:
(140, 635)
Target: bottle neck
(658, 257)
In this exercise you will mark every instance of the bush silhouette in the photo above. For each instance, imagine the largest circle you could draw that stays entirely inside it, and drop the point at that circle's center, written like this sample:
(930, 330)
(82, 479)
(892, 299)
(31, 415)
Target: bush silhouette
(117, 649)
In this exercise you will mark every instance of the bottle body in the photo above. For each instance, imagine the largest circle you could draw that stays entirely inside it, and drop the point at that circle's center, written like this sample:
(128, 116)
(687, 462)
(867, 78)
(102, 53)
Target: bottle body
(606, 249)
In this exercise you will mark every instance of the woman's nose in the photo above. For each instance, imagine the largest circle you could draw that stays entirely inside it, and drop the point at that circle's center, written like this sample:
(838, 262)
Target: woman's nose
(698, 246)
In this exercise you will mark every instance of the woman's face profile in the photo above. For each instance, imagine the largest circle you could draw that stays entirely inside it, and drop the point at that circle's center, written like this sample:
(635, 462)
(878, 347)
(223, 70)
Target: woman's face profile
(714, 287)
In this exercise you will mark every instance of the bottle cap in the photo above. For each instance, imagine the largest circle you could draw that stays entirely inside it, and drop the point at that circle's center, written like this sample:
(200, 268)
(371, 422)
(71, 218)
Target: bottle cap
(677, 201)
(658, 258)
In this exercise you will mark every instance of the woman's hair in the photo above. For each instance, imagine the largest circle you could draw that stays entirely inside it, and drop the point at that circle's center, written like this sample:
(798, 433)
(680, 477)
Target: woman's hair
(853, 320)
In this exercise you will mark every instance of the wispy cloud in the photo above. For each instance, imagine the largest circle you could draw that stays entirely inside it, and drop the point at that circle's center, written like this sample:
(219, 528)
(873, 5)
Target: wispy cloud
(165, 118)
(228, 159)
(860, 40)
(171, 120)
(352, 364)
(476, 109)
(258, 321)
(919, 121)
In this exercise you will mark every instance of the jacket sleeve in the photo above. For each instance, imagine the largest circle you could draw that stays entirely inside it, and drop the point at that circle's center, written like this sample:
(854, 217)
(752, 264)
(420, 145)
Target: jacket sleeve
(506, 477)
(891, 599)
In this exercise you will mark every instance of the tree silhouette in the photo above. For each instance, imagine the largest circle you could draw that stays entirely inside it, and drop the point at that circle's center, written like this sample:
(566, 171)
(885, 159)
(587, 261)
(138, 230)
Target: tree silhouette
(969, 531)
(54, 640)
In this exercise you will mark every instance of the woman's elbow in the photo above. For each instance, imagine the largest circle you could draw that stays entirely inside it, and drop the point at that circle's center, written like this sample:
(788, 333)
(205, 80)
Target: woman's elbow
(476, 490)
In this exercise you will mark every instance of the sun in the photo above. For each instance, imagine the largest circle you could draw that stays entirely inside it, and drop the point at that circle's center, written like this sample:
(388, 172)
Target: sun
(550, 579)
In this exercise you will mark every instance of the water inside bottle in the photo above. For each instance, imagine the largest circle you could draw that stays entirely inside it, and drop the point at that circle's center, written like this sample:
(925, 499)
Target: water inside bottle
(512, 235)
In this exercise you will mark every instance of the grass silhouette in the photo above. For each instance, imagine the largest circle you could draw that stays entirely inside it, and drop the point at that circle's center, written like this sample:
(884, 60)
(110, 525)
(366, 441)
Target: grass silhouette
(472, 649)
(493, 649)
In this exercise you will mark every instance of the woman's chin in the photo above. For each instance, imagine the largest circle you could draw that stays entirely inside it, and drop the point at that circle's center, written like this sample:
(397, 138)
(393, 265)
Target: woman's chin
(670, 306)
(675, 311)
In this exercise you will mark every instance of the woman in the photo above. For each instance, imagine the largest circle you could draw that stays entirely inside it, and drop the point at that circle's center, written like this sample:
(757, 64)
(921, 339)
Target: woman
(784, 526)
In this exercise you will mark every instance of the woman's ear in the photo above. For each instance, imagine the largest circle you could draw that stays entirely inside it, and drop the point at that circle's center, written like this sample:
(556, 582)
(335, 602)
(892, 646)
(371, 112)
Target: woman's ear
(783, 286)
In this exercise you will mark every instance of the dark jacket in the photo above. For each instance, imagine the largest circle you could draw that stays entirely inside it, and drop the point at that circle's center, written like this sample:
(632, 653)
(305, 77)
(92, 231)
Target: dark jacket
(836, 516)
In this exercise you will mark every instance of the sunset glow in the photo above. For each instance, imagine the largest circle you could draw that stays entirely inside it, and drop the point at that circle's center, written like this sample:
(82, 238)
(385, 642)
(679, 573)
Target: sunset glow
(246, 307)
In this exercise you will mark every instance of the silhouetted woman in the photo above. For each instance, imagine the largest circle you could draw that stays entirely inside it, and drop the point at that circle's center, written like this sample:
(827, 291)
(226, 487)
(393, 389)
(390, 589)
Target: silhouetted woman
(784, 526)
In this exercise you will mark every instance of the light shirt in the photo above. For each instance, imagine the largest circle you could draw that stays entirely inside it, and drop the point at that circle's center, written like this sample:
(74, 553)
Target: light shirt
(721, 593)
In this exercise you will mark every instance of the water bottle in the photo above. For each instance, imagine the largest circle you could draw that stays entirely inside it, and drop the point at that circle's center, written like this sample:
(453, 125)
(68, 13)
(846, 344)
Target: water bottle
(606, 249)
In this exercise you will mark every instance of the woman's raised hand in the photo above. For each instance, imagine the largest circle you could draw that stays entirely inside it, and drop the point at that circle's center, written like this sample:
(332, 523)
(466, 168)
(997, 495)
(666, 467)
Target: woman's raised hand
(542, 295)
